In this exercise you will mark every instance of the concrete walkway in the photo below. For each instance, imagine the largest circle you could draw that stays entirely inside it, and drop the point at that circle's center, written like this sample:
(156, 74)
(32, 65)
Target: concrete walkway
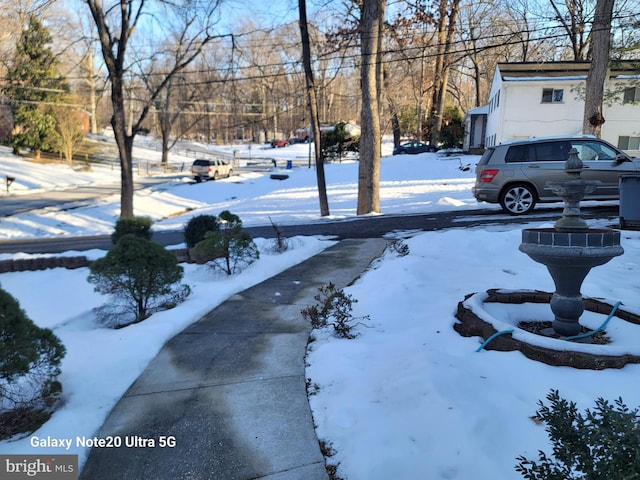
(230, 389)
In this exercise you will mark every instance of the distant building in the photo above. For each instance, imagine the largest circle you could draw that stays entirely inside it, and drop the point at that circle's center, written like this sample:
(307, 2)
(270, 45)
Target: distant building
(544, 99)
(475, 129)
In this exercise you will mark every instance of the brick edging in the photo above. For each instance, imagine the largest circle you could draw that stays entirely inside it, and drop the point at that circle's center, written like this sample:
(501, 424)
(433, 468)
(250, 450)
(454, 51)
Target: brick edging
(470, 325)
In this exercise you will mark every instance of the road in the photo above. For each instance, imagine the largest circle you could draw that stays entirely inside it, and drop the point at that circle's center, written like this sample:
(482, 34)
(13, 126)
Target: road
(14, 204)
(360, 227)
(72, 197)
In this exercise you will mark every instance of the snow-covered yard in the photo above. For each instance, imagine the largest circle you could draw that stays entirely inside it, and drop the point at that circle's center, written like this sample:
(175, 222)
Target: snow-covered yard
(408, 398)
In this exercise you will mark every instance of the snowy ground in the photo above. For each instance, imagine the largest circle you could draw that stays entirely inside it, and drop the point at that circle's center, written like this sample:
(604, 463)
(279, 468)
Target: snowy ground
(409, 398)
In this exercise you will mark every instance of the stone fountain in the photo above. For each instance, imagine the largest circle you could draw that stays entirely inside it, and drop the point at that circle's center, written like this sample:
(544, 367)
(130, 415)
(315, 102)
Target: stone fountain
(570, 249)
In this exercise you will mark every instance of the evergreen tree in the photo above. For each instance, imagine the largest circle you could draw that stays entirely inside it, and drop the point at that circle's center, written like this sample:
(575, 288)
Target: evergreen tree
(452, 129)
(30, 359)
(141, 276)
(32, 86)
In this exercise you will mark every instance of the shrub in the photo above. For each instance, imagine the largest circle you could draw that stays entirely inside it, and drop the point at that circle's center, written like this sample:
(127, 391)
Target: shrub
(197, 228)
(400, 248)
(140, 226)
(30, 359)
(141, 276)
(281, 244)
(334, 309)
(334, 142)
(229, 249)
(602, 444)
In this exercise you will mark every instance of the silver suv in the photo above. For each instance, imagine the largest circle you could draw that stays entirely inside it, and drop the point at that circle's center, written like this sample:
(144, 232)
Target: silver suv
(515, 174)
(215, 168)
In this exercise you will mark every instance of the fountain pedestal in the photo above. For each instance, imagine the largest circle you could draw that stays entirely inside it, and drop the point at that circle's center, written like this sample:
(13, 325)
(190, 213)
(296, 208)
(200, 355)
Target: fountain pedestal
(569, 256)
(570, 249)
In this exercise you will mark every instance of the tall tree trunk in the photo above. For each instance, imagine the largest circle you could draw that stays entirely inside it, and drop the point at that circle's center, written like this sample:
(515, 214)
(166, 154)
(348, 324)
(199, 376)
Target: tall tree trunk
(125, 147)
(165, 132)
(371, 23)
(395, 121)
(114, 50)
(600, 46)
(446, 29)
(312, 103)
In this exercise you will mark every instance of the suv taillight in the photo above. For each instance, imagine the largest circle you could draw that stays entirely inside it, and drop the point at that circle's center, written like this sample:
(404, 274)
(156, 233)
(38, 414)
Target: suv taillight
(488, 175)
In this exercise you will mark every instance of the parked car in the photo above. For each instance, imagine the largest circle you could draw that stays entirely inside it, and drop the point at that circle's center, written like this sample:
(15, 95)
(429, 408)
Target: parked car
(279, 143)
(414, 147)
(211, 168)
(515, 174)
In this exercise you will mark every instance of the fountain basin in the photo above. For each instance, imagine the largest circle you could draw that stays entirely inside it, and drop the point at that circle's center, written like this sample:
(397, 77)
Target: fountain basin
(592, 245)
(569, 256)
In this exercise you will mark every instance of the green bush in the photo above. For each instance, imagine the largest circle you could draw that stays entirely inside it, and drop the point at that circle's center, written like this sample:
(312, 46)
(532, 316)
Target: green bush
(602, 444)
(142, 278)
(334, 142)
(140, 226)
(197, 228)
(228, 249)
(30, 359)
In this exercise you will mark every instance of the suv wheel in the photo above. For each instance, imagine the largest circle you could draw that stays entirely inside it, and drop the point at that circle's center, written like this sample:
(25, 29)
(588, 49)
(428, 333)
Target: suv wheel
(518, 199)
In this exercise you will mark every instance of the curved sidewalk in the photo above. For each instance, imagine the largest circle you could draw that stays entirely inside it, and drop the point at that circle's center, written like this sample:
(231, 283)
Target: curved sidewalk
(231, 388)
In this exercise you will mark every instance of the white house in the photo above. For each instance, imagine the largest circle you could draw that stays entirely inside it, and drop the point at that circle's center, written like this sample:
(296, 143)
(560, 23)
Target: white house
(544, 99)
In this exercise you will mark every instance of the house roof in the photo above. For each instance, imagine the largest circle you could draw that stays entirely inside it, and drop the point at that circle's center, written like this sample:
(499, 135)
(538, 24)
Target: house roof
(481, 110)
(521, 70)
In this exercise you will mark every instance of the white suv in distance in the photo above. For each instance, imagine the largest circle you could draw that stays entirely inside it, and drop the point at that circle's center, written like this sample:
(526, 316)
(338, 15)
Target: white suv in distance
(515, 174)
(216, 168)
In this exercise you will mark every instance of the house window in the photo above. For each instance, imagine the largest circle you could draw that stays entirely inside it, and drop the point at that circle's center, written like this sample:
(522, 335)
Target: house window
(631, 95)
(629, 143)
(552, 95)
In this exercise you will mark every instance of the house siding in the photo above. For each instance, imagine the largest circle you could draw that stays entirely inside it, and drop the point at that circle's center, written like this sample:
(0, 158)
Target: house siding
(516, 109)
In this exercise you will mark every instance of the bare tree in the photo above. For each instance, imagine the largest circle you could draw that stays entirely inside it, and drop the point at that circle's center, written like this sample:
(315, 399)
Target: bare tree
(371, 36)
(407, 76)
(312, 103)
(600, 46)
(446, 25)
(525, 42)
(116, 23)
(473, 36)
(68, 131)
(574, 16)
(94, 84)
(170, 111)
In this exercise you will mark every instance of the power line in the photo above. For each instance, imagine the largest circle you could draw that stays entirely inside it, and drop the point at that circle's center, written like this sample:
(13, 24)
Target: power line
(331, 64)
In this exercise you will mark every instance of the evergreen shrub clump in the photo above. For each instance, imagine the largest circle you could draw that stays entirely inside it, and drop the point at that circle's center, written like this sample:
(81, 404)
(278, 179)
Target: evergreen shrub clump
(197, 228)
(140, 226)
(30, 359)
(141, 276)
(229, 248)
(601, 444)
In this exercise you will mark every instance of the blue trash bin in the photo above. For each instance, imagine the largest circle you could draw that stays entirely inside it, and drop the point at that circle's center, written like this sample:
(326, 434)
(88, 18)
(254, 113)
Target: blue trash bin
(629, 200)
(289, 164)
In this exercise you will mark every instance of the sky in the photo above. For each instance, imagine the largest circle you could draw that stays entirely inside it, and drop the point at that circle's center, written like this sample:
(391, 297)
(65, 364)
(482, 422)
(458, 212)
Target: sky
(409, 398)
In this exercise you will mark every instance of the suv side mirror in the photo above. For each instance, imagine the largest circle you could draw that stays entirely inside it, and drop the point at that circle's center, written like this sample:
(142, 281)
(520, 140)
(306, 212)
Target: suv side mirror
(621, 158)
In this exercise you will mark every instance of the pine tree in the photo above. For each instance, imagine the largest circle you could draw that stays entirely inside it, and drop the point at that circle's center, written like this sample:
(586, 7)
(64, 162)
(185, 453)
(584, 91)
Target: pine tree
(32, 86)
